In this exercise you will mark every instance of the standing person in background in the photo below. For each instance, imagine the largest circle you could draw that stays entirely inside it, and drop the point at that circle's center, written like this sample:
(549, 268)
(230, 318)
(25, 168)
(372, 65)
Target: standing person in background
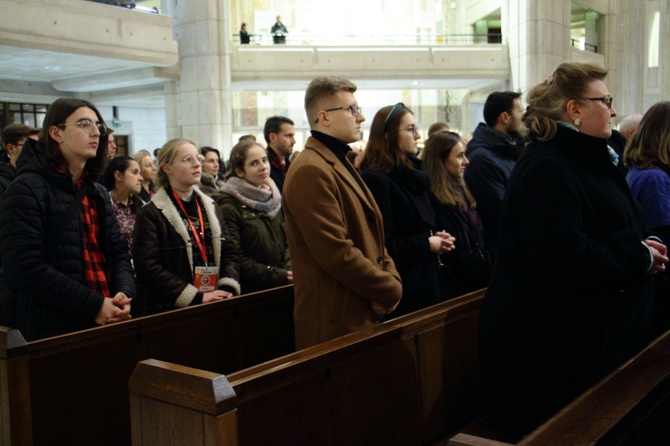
(280, 137)
(617, 142)
(279, 32)
(344, 278)
(493, 152)
(647, 155)
(211, 168)
(245, 37)
(13, 139)
(572, 292)
(250, 205)
(400, 184)
(468, 267)
(181, 254)
(66, 264)
(437, 127)
(148, 171)
(111, 144)
(123, 181)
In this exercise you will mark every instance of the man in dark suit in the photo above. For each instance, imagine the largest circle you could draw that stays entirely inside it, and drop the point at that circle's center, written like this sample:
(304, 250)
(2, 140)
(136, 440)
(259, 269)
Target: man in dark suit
(280, 137)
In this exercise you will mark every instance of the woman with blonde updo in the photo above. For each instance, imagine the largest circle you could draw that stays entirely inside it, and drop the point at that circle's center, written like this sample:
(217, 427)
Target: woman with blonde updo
(571, 296)
(148, 171)
(182, 254)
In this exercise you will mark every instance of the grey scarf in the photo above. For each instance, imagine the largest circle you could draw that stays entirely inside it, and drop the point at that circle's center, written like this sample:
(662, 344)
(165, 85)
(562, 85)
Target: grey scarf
(266, 198)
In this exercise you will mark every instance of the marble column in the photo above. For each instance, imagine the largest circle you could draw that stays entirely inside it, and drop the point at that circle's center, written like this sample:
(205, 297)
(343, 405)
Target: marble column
(664, 50)
(623, 47)
(198, 105)
(538, 37)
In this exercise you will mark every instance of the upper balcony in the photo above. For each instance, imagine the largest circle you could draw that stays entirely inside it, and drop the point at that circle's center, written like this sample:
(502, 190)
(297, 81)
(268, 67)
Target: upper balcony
(77, 46)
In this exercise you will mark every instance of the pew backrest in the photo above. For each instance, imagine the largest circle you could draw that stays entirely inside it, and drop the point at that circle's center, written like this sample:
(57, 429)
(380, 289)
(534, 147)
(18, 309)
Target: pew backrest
(409, 381)
(73, 389)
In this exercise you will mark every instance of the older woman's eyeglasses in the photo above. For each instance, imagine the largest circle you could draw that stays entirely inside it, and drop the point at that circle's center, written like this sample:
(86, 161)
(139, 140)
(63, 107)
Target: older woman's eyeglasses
(88, 126)
(190, 160)
(607, 100)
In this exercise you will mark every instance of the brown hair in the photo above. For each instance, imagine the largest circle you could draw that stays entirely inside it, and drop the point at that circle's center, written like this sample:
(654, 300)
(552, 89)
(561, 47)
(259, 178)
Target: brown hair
(445, 188)
(56, 116)
(650, 144)
(324, 87)
(547, 100)
(383, 152)
(238, 156)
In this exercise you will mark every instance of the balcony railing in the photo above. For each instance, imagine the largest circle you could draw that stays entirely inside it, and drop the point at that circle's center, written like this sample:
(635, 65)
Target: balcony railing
(583, 45)
(374, 40)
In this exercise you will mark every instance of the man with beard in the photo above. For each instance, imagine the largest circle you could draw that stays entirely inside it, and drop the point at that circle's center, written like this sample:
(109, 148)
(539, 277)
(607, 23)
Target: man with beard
(280, 136)
(493, 152)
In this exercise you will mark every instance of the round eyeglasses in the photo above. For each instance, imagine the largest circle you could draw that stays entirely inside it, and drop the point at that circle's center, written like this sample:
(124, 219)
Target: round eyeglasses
(88, 126)
(190, 160)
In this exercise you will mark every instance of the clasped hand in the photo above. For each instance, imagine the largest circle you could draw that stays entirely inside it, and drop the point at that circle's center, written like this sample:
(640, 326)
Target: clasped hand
(441, 242)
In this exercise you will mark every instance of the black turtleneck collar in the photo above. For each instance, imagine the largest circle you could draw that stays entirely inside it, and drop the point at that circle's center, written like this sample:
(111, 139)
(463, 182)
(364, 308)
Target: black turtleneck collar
(340, 150)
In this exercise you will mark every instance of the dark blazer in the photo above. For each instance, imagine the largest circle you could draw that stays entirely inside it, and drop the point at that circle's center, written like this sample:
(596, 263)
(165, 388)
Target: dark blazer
(408, 221)
(45, 272)
(163, 256)
(336, 239)
(570, 297)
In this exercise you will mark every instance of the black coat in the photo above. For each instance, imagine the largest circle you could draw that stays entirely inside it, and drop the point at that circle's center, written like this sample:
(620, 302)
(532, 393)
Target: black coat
(570, 297)
(468, 267)
(45, 272)
(163, 256)
(492, 157)
(408, 221)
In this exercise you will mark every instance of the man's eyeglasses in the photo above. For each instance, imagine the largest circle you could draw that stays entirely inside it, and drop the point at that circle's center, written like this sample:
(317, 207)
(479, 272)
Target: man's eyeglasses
(354, 109)
(190, 160)
(88, 126)
(607, 100)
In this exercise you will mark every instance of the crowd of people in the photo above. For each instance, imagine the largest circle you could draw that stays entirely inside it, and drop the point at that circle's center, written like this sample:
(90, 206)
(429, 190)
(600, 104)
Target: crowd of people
(563, 221)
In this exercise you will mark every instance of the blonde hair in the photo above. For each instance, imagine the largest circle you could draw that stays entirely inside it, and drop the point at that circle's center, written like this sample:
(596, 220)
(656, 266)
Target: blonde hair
(547, 100)
(446, 189)
(166, 155)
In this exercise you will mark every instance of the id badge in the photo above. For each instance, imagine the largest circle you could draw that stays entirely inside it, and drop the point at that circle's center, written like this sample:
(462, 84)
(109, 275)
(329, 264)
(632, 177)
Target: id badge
(205, 278)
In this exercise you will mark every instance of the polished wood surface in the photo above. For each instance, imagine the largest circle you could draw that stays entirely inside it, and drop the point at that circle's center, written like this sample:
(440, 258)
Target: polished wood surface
(73, 389)
(409, 381)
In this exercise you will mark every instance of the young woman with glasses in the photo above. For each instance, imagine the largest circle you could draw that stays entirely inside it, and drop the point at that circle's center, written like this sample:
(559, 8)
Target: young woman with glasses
(182, 254)
(65, 262)
(400, 184)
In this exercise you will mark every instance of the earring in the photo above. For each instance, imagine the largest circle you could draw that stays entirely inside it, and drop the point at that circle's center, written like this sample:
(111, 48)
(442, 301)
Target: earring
(578, 122)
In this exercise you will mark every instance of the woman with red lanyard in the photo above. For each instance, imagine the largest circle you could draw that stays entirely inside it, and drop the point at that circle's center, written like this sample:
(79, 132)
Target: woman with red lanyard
(181, 252)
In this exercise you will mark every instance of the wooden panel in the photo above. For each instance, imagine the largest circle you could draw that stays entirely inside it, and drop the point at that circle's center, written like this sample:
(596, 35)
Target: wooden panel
(73, 388)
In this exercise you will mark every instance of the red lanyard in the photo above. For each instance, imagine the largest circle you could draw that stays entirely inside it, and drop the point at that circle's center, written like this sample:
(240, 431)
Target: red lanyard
(199, 237)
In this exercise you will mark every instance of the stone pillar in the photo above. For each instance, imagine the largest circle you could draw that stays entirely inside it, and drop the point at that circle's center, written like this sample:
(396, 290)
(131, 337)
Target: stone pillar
(664, 51)
(202, 96)
(623, 48)
(538, 36)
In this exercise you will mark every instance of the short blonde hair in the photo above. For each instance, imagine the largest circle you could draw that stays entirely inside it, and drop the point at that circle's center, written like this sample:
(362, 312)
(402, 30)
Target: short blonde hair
(166, 155)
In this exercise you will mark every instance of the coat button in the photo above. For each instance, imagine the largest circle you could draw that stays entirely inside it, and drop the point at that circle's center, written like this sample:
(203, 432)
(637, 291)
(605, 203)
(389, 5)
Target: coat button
(380, 260)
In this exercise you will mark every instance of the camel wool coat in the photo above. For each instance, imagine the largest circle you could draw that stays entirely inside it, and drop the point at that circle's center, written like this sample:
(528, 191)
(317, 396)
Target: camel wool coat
(336, 239)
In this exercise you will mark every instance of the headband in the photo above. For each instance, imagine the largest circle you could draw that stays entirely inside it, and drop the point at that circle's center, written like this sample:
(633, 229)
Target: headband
(392, 114)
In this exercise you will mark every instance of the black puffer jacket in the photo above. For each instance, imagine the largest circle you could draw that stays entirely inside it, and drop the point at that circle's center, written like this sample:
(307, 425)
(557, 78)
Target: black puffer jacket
(44, 271)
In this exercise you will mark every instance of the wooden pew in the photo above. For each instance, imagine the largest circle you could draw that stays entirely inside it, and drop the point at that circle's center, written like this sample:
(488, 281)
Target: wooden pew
(73, 389)
(630, 406)
(409, 381)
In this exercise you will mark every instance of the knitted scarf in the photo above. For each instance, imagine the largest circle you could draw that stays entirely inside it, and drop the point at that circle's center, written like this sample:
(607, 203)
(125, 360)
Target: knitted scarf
(265, 198)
